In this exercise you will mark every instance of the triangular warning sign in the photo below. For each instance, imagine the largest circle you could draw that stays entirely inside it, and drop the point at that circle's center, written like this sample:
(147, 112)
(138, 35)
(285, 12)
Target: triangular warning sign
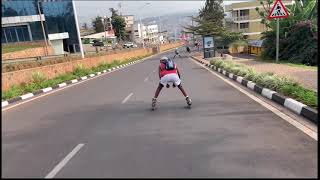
(278, 10)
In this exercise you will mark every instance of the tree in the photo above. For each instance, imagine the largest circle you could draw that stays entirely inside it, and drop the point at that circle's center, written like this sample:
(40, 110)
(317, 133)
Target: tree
(225, 38)
(114, 12)
(299, 11)
(210, 19)
(118, 24)
(98, 24)
(298, 32)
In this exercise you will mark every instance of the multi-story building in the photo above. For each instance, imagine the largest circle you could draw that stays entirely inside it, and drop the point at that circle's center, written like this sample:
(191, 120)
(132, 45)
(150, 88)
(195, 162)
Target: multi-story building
(22, 21)
(243, 17)
(139, 32)
(152, 33)
(129, 19)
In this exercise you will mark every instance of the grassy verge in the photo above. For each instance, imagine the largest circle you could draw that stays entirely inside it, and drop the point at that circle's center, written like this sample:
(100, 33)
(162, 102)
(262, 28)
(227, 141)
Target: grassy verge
(282, 85)
(20, 47)
(40, 81)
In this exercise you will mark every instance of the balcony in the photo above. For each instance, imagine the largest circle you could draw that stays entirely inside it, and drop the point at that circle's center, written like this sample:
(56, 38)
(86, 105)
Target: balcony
(244, 30)
(241, 18)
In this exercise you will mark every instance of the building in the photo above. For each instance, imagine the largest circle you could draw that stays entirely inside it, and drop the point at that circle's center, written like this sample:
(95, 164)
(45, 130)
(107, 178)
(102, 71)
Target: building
(22, 22)
(129, 19)
(243, 17)
(107, 35)
(152, 33)
(148, 33)
(139, 32)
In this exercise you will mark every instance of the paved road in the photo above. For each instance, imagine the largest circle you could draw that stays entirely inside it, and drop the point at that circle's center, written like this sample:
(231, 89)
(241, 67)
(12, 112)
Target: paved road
(225, 134)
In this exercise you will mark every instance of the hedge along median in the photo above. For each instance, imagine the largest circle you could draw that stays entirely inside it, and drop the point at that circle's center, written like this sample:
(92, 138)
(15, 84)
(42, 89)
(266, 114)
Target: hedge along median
(40, 81)
(16, 78)
(280, 84)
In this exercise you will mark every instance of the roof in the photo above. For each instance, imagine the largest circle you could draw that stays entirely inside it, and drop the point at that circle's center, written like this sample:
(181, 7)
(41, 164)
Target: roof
(256, 43)
(110, 34)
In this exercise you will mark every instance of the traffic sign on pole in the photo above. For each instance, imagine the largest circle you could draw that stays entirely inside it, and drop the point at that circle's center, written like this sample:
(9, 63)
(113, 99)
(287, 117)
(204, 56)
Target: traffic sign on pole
(278, 11)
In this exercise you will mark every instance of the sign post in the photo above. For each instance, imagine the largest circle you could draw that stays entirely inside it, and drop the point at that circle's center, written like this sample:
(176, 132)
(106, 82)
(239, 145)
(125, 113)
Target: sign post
(278, 11)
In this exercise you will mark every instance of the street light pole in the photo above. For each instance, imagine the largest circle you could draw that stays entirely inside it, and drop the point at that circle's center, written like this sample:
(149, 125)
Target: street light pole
(141, 27)
(78, 30)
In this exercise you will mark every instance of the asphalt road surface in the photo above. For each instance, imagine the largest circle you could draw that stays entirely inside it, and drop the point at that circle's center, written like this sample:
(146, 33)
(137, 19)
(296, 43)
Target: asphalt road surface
(104, 128)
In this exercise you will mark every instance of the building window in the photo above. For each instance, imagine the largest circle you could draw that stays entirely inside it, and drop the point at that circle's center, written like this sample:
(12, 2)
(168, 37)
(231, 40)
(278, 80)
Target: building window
(15, 34)
(244, 12)
(244, 25)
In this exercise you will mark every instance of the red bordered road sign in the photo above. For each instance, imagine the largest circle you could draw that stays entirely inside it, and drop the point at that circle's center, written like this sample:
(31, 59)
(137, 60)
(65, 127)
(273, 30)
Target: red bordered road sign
(278, 10)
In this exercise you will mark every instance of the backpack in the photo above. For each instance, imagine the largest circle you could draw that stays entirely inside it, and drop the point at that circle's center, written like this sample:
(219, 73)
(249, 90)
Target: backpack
(169, 65)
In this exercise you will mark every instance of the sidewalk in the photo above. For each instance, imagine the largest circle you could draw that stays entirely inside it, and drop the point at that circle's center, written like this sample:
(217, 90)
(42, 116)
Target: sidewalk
(307, 77)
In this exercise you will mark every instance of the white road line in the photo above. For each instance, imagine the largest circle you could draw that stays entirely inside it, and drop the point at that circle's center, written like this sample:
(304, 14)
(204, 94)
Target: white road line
(126, 99)
(60, 89)
(59, 166)
(287, 118)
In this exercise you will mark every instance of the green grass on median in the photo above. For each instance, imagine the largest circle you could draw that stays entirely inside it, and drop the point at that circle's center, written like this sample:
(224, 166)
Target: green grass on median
(40, 81)
(283, 85)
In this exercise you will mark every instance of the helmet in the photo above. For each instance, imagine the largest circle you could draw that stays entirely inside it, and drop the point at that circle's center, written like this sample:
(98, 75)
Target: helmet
(163, 59)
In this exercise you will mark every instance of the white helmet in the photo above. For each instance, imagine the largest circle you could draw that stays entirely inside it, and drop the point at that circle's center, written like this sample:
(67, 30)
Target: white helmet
(163, 59)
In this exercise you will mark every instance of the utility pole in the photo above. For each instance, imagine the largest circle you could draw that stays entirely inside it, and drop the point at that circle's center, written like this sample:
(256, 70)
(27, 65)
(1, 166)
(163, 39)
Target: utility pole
(44, 34)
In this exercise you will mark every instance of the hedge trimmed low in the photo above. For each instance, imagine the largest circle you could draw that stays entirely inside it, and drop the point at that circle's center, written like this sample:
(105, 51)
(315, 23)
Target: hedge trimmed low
(282, 85)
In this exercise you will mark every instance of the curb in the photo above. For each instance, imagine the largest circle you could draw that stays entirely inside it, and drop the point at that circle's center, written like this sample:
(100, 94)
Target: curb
(41, 91)
(289, 103)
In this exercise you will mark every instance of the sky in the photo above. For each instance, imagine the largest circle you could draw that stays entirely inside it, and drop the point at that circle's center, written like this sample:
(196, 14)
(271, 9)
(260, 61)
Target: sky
(87, 9)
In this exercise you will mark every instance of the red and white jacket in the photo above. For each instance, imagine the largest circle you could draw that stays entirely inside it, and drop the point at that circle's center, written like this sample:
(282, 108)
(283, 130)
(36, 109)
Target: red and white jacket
(164, 72)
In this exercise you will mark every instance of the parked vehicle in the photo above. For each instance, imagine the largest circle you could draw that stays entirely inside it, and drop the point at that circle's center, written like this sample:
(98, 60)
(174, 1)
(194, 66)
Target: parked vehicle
(129, 45)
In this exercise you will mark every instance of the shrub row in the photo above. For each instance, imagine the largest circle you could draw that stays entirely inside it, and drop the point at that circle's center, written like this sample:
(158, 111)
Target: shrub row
(40, 81)
(282, 85)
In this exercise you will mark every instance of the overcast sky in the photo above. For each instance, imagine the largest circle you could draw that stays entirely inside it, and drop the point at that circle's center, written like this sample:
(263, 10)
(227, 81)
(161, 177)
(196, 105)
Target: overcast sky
(88, 9)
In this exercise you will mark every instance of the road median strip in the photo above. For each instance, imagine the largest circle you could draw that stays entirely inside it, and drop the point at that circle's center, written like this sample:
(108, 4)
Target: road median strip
(29, 95)
(289, 103)
(60, 85)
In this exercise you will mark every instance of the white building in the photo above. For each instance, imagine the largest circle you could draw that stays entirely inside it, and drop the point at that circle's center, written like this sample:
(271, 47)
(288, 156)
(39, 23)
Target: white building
(129, 19)
(152, 33)
(148, 34)
(139, 32)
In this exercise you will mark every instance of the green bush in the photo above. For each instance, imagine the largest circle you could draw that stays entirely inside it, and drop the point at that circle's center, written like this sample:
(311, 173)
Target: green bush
(298, 46)
(14, 91)
(269, 80)
(80, 71)
(40, 80)
(38, 77)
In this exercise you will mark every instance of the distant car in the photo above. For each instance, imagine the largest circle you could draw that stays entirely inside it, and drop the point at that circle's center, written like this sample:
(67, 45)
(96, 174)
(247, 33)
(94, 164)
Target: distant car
(97, 43)
(129, 45)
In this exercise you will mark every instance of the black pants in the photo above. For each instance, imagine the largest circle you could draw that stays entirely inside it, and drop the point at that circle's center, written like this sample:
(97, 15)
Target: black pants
(175, 55)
